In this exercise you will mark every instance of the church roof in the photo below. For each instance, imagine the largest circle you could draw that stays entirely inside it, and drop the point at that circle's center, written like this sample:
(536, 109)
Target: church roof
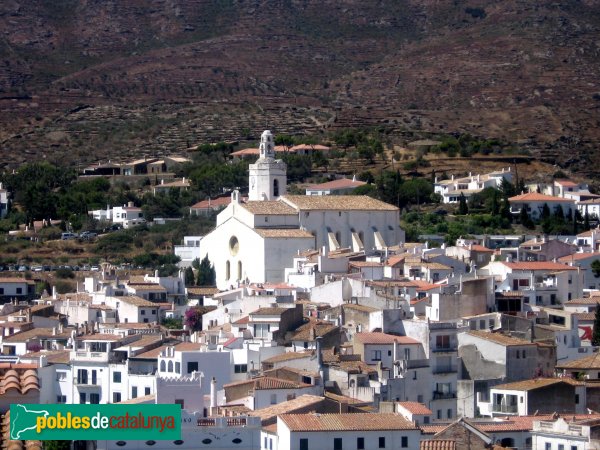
(273, 207)
(338, 203)
(283, 233)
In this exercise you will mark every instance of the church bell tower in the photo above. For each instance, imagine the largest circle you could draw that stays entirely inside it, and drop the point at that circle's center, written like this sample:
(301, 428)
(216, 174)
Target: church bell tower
(268, 176)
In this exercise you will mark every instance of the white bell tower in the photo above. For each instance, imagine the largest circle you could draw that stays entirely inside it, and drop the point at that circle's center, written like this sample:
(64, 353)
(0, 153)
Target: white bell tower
(268, 176)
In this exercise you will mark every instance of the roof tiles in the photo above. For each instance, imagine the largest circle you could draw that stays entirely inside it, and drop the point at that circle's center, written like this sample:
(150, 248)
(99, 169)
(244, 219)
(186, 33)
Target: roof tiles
(346, 422)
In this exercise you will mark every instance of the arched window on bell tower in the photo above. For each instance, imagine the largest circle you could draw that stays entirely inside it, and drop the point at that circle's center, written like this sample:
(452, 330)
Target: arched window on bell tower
(227, 270)
(275, 188)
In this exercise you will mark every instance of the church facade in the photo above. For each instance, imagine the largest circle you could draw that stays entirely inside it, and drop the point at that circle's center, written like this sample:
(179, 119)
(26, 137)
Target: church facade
(256, 240)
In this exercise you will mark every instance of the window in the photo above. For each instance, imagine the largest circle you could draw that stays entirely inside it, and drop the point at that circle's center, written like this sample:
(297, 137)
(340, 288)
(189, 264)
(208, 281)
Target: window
(389, 353)
(548, 446)
(239, 277)
(303, 444)
(337, 444)
(82, 376)
(561, 447)
(116, 397)
(170, 366)
(153, 311)
(381, 442)
(275, 188)
(116, 377)
(1, 291)
(19, 290)
(241, 368)
(82, 398)
(273, 399)
(60, 376)
(449, 413)
(577, 399)
(94, 399)
(439, 413)
(94, 378)
(261, 330)
(404, 441)
(360, 443)
(134, 392)
(442, 341)
(192, 366)
(415, 375)
(227, 270)
(163, 366)
(61, 399)
(376, 355)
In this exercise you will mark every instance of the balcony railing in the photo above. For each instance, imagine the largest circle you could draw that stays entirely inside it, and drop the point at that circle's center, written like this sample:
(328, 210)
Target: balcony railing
(449, 349)
(444, 369)
(510, 409)
(443, 395)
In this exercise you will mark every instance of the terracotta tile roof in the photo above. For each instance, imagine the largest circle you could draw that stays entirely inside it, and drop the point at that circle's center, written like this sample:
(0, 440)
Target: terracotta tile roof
(566, 183)
(52, 356)
(269, 311)
(396, 260)
(283, 233)
(212, 203)
(206, 290)
(437, 444)
(583, 301)
(585, 317)
(383, 338)
(269, 414)
(288, 356)
(481, 248)
(362, 308)
(9, 444)
(337, 203)
(310, 331)
(536, 197)
(319, 147)
(137, 301)
(146, 287)
(359, 264)
(244, 320)
(346, 422)
(345, 399)
(267, 383)
(538, 265)
(587, 362)
(342, 183)
(579, 257)
(499, 338)
(530, 385)
(415, 408)
(272, 207)
(187, 347)
(37, 333)
(22, 381)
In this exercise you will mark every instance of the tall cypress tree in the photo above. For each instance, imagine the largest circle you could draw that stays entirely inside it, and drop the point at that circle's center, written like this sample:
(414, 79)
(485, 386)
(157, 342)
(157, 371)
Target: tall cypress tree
(596, 330)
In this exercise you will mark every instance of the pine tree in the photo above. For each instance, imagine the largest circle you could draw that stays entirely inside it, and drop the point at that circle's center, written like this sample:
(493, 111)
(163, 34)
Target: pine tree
(596, 329)
(545, 211)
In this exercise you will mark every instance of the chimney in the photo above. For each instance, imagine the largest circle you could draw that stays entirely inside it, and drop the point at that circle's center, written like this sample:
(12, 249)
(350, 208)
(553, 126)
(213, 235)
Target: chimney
(54, 293)
(130, 204)
(319, 340)
(395, 358)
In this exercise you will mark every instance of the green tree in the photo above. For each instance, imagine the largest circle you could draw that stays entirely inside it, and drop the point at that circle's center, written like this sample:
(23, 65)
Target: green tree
(596, 268)
(596, 329)
(463, 209)
(189, 276)
(206, 273)
(545, 211)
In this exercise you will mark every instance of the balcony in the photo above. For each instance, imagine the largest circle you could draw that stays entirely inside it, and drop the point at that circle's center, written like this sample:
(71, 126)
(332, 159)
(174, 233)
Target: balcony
(99, 357)
(87, 383)
(508, 409)
(450, 349)
(443, 395)
(444, 369)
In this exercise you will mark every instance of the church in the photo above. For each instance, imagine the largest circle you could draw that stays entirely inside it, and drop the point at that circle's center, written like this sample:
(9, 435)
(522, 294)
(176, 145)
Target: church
(254, 241)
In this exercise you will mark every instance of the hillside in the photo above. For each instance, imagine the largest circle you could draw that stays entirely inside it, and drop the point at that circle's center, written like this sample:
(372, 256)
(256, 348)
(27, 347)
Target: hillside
(87, 80)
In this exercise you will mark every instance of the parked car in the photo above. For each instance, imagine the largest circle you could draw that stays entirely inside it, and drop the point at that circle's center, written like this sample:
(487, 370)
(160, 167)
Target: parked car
(37, 269)
(95, 268)
(88, 235)
(68, 236)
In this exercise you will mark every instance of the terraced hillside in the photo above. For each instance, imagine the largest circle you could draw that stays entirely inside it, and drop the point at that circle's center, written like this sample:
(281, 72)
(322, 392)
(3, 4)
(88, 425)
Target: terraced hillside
(90, 80)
